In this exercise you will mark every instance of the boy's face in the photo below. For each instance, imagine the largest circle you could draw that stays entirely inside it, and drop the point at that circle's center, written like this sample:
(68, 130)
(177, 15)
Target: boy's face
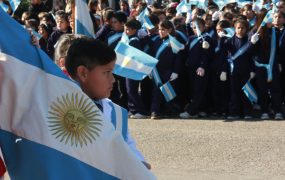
(240, 30)
(116, 25)
(219, 29)
(278, 20)
(163, 32)
(248, 13)
(98, 82)
(62, 24)
(129, 31)
(200, 26)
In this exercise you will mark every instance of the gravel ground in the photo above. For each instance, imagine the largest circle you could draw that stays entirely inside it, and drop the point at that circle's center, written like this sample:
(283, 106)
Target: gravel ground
(212, 149)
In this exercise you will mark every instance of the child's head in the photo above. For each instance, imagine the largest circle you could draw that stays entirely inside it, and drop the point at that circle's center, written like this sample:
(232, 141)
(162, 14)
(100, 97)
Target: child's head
(208, 20)
(201, 25)
(197, 13)
(160, 14)
(107, 16)
(155, 21)
(166, 27)
(25, 16)
(247, 11)
(118, 21)
(90, 63)
(241, 27)
(45, 30)
(124, 6)
(278, 19)
(222, 25)
(132, 26)
(281, 6)
(48, 19)
(62, 22)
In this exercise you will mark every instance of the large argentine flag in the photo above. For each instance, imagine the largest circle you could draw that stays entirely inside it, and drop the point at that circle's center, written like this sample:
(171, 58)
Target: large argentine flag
(49, 128)
(133, 63)
(83, 22)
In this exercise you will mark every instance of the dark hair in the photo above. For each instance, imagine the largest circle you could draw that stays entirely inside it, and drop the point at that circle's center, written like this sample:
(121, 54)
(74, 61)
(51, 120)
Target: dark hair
(107, 15)
(92, 3)
(153, 19)
(89, 53)
(120, 16)
(134, 24)
(50, 18)
(224, 24)
(63, 16)
(243, 22)
(200, 22)
(168, 25)
(46, 27)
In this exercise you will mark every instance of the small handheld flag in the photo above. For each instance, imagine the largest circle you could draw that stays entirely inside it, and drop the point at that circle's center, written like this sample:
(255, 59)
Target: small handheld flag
(133, 63)
(250, 92)
(167, 91)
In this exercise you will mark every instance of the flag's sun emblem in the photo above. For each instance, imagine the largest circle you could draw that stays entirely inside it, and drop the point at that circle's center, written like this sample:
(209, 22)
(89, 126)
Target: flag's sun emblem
(74, 120)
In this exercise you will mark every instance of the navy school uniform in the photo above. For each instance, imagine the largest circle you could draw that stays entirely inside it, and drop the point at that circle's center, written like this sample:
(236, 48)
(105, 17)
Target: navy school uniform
(168, 62)
(52, 40)
(281, 59)
(218, 88)
(262, 56)
(103, 32)
(135, 102)
(198, 57)
(182, 89)
(146, 83)
(119, 93)
(243, 65)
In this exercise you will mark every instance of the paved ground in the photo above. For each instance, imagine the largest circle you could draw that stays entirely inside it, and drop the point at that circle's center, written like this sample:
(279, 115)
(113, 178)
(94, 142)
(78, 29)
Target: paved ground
(212, 149)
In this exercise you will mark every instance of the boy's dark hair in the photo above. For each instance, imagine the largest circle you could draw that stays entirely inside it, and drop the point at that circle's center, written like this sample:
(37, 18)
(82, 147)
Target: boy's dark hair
(89, 53)
(120, 16)
(133, 24)
(46, 27)
(63, 16)
(153, 19)
(107, 15)
(224, 24)
(168, 25)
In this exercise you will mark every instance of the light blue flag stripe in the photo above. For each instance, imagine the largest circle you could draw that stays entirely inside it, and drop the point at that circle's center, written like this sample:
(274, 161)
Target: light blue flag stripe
(271, 58)
(83, 21)
(176, 46)
(119, 111)
(114, 38)
(250, 92)
(147, 23)
(14, 4)
(168, 91)
(37, 163)
(230, 32)
(25, 53)
(133, 63)
(156, 77)
(4, 6)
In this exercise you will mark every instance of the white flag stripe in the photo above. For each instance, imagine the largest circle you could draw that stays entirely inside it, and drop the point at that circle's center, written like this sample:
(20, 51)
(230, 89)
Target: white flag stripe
(130, 63)
(19, 118)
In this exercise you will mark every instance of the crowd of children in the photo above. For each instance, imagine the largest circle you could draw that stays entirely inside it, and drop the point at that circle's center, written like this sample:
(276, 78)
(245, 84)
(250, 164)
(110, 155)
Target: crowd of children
(208, 75)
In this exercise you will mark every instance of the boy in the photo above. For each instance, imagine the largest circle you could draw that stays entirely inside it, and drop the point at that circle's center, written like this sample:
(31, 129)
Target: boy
(90, 63)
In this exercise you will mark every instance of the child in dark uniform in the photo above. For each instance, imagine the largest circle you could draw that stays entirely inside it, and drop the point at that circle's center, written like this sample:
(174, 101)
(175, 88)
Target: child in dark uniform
(135, 103)
(199, 53)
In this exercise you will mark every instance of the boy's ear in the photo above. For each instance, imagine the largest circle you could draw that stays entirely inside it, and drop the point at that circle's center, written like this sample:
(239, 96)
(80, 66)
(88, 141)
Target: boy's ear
(81, 72)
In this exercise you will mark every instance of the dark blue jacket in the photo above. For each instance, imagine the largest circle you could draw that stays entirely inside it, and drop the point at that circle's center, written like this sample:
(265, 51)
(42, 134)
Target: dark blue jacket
(197, 55)
(244, 63)
(114, 44)
(167, 60)
(103, 32)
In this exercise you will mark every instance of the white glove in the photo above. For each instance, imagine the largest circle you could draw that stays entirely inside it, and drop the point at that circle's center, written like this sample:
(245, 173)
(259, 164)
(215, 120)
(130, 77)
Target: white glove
(252, 75)
(188, 18)
(222, 34)
(254, 38)
(200, 71)
(223, 76)
(142, 33)
(280, 67)
(216, 15)
(205, 45)
(173, 76)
